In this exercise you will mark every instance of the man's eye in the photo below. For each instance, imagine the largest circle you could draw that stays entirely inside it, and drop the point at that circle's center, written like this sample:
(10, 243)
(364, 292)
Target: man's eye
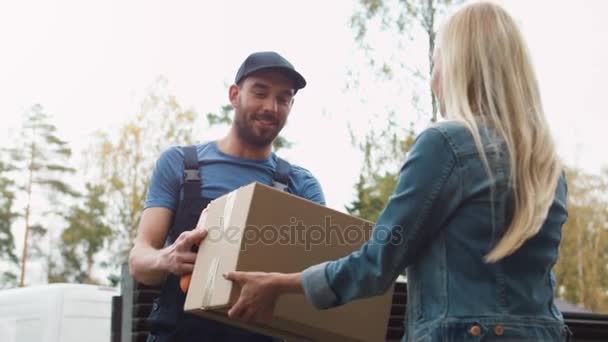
(282, 100)
(260, 95)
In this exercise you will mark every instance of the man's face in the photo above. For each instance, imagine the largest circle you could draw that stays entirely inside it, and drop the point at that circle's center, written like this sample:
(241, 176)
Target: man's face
(261, 104)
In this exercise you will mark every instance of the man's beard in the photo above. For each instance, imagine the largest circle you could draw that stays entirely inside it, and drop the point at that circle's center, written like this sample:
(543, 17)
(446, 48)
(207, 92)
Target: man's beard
(247, 132)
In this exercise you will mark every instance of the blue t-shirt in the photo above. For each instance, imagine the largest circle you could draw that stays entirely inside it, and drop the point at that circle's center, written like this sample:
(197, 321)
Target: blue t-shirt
(220, 174)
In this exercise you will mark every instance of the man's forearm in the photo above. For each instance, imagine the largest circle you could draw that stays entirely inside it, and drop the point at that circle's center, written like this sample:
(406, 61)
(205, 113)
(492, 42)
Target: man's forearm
(147, 266)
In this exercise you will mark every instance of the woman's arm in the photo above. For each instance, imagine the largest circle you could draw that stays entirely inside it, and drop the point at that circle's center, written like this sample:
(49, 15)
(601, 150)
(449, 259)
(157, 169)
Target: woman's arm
(426, 194)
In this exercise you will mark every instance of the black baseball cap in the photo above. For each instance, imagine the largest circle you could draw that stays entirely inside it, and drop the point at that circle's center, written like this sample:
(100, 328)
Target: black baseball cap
(269, 60)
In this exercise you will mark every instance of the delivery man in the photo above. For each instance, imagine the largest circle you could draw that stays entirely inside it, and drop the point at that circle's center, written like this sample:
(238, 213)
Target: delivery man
(186, 179)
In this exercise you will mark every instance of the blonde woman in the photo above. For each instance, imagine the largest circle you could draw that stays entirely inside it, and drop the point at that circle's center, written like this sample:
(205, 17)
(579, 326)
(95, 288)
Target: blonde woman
(477, 213)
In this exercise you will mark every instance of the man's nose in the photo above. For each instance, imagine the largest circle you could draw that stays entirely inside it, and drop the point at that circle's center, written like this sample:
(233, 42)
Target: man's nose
(271, 105)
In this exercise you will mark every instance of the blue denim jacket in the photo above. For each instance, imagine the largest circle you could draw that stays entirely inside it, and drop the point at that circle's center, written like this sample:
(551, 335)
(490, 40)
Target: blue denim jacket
(439, 224)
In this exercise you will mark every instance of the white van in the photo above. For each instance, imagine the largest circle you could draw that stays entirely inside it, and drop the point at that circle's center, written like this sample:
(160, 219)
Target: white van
(56, 313)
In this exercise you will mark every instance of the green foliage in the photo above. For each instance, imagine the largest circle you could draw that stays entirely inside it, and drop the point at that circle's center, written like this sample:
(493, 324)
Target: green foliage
(36, 249)
(384, 153)
(43, 157)
(372, 195)
(223, 118)
(85, 236)
(126, 159)
(281, 143)
(399, 15)
(8, 280)
(385, 146)
(7, 215)
(41, 152)
(581, 271)
(401, 21)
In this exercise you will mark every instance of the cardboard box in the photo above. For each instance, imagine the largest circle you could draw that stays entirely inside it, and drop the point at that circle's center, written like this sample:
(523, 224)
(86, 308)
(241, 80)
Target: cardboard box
(258, 228)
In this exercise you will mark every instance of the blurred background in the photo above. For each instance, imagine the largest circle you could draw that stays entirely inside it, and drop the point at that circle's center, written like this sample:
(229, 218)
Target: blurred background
(93, 91)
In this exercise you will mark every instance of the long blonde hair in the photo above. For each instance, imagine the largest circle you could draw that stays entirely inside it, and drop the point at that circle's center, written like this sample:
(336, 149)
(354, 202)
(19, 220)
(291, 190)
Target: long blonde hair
(487, 78)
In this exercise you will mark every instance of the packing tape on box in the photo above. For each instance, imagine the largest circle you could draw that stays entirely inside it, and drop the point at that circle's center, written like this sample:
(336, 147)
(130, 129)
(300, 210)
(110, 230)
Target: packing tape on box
(210, 286)
(215, 264)
(228, 206)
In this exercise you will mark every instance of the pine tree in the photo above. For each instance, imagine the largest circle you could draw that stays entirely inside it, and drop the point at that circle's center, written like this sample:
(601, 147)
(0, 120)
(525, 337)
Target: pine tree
(7, 218)
(42, 157)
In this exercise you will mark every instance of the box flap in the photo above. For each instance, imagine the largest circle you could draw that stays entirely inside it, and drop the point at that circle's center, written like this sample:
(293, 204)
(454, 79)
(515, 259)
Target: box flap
(219, 252)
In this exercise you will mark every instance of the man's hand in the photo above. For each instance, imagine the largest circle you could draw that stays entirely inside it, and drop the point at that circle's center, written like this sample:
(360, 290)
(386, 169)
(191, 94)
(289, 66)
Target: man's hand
(179, 257)
(149, 262)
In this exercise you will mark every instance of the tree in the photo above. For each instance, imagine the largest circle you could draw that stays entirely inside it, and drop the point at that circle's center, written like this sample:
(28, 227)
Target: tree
(402, 21)
(581, 271)
(385, 147)
(43, 157)
(7, 217)
(124, 161)
(85, 235)
(384, 153)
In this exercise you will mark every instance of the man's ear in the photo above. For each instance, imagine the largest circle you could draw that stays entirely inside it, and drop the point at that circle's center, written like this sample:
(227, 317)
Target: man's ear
(233, 94)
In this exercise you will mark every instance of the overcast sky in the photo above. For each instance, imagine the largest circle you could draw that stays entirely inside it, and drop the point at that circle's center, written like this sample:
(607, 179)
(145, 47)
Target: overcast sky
(89, 62)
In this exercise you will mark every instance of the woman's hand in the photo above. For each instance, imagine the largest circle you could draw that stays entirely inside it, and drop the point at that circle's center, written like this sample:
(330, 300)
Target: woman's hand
(260, 292)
